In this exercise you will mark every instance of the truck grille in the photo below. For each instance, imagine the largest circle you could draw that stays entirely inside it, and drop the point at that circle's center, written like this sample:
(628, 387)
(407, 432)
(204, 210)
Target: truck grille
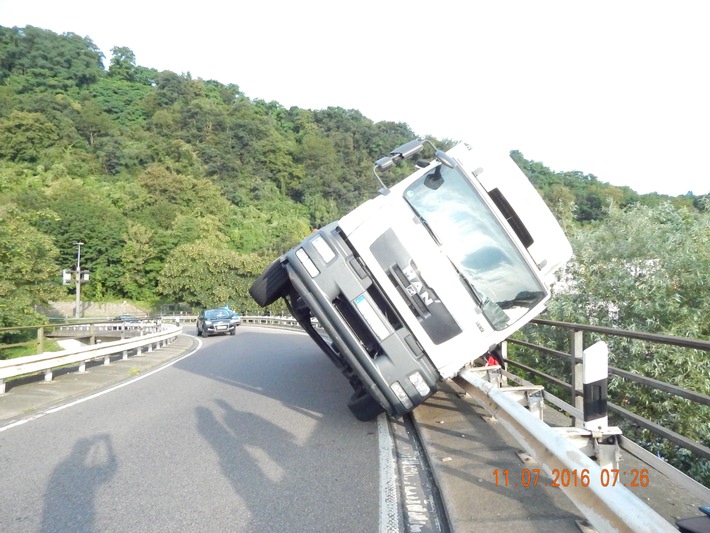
(358, 326)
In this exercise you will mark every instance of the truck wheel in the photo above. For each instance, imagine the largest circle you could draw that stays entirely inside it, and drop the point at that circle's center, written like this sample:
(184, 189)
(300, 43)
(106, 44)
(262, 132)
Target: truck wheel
(364, 406)
(271, 285)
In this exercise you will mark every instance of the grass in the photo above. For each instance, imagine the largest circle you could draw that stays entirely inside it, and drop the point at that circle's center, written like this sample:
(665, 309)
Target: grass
(22, 351)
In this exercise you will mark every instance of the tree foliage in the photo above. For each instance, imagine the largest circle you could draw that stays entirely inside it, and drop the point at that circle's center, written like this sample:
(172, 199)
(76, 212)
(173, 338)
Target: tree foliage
(31, 274)
(34, 59)
(644, 268)
(207, 274)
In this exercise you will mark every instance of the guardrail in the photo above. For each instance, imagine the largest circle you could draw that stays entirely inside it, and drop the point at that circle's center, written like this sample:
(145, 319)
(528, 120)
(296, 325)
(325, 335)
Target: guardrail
(280, 321)
(149, 333)
(575, 386)
(158, 335)
(43, 332)
(568, 449)
(609, 507)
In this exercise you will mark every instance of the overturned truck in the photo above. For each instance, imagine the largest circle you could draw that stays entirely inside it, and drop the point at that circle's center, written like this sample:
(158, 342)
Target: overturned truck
(434, 272)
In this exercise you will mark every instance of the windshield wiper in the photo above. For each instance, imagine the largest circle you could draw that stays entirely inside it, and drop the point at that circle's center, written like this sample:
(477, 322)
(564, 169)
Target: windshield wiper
(424, 222)
(478, 298)
(490, 309)
(522, 299)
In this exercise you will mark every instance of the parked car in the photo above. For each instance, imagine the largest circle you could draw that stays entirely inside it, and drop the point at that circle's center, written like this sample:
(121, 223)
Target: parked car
(217, 321)
(126, 318)
(414, 284)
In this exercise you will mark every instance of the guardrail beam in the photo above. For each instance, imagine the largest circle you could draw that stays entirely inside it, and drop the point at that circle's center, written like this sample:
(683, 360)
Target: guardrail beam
(608, 508)
(48, 361)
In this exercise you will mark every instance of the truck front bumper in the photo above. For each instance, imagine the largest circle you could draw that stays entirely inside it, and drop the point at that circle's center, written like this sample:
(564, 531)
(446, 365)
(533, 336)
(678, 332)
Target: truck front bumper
(362, 324)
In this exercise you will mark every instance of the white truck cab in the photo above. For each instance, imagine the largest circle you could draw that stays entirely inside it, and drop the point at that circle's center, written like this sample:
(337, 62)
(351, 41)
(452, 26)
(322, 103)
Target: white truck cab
(414, 284)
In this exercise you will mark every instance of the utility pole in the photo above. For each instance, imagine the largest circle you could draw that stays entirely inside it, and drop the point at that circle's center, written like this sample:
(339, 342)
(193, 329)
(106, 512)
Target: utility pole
(79, 278)
(77, 272)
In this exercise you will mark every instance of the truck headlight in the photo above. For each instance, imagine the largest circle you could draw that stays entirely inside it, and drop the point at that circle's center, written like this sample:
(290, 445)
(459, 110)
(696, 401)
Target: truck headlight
(325, 252)
(401, 395)
(307, 262)
(418, 381)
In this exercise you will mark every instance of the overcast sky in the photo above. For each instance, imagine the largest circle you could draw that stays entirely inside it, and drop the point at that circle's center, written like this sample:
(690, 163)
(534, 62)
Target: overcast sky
(615, 88)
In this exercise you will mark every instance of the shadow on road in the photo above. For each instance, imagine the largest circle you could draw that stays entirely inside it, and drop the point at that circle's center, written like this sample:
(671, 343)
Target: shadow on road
(72, 488)
(295, 457)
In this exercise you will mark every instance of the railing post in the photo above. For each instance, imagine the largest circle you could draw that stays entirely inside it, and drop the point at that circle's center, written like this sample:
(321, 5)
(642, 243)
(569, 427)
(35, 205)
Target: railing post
(504, 356)
(577, 385)
(40, 340)
(596, 372)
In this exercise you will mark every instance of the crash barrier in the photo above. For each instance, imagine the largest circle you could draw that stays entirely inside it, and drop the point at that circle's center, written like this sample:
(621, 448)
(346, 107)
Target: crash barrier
(150, 336)
(277, 321)
(608, 506)
(144, 334)
(574, 358)
(89, 329)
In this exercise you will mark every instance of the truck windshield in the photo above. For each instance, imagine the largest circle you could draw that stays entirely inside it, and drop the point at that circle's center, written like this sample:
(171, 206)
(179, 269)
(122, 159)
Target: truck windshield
(490, 266)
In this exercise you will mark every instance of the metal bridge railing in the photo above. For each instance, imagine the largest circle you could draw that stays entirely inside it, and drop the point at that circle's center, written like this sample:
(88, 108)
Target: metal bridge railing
(135, 336)
(147, 337)
(575, 387)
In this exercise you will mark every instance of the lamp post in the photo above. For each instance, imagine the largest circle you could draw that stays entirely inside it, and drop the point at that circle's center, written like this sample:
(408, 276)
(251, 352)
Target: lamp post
(77, 273)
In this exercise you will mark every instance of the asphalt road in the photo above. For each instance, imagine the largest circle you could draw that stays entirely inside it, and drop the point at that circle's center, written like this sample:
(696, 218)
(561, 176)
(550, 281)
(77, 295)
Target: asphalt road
(252, 433)
(242, 435)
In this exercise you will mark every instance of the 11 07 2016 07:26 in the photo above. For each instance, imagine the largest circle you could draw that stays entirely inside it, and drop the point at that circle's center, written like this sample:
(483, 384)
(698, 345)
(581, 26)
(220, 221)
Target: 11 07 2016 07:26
(564, 477)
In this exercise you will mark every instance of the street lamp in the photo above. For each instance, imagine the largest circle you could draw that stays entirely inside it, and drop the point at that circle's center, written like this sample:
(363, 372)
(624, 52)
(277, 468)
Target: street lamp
(78, 255)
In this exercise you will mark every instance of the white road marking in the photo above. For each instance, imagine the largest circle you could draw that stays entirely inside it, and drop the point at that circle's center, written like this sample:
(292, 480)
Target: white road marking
(35, 416)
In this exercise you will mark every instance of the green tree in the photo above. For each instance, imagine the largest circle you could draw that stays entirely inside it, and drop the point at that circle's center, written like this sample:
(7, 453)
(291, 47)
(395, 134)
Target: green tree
(123, 64)
(643, 268)
(200, 197)
(31, 273)
(646, 269)
(91, 122)
(121, 100)
(84, 214)
(24, 136)
(43, 60)
(206, 273)
(140, 263)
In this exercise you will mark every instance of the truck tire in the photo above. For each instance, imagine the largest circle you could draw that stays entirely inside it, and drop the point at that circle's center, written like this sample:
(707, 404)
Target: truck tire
(271, 285)
(364, 406)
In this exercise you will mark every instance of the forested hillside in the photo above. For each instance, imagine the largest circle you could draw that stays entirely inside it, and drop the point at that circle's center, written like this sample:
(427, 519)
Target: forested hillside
(182, 189)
